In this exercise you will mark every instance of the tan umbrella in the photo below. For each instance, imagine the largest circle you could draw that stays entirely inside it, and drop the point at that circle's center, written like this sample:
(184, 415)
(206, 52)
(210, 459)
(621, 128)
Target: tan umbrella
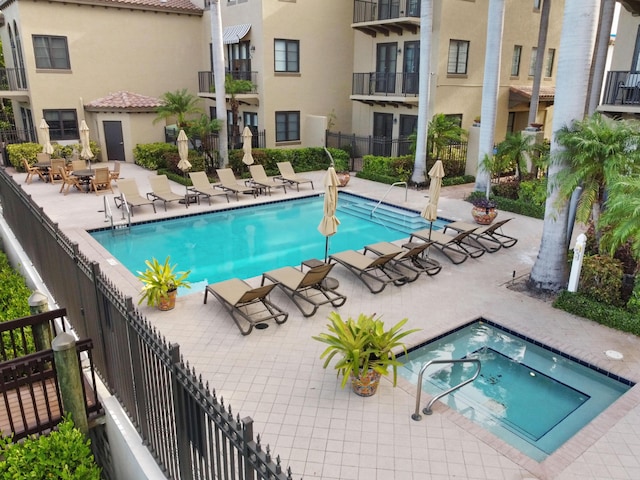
(430, 212)
(329, 223)
(46, 140)
(247, 159)
(86, 152)
(183, 151)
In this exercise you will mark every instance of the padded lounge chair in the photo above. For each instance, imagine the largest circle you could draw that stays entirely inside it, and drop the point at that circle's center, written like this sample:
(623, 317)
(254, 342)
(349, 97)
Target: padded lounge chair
(259, 178)
(201, 186)
(454, 247)
(489, 237)
(129, 193)
(410, 259)
(243, 302)
(306, 288)
(161, 190)
(229, 183)
(288, 175)
(376, 273)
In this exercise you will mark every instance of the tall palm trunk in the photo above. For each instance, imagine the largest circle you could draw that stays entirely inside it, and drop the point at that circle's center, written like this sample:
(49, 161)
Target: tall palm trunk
(537, 74)
(219, 78)
(495, 25)
(600, 56)
(550, 270)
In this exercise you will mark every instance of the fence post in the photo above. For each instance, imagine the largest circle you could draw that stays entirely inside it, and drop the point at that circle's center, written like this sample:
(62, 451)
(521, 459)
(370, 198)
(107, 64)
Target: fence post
(39, 303)
(70, 379)
(247, 437)
(182, 435)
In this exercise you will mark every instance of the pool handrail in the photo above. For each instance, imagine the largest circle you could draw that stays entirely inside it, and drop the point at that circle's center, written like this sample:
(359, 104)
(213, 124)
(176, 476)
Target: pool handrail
(427, 410)
(406, 189)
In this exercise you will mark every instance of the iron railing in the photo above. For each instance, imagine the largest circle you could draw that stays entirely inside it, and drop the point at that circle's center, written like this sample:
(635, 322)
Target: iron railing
(371, 11)
(385, 84)
(186, 428)
(12, 79)
(206, 80)
(622, 88)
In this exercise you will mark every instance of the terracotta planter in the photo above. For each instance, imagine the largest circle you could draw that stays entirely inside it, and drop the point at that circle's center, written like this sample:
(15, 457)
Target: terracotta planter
(367, 384)
(343, 178)
(483, 216)
(168, 302)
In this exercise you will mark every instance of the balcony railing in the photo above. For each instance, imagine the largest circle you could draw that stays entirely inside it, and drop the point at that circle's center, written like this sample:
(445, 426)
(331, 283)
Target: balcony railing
(366, 11)
(12, 79)
(622, 88)
(385, 84)
(206, 80)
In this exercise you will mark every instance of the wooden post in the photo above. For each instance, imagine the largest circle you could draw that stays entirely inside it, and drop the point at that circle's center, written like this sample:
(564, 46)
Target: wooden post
(70, 379)
(39, 303)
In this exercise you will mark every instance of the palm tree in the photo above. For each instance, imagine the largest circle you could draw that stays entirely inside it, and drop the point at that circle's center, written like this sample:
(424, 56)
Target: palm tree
(516, 149)
(598, 150)
(178, 104)
(442, 132)
(621, 220)
(537, 73)
(550, 271)
(234, 87)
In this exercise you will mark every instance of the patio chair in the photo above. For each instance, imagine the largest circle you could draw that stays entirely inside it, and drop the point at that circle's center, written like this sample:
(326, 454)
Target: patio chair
(229, 183)
(78, 165)
(202, 187)
(54, 170)
(411, 258)
(376, 273)
(489, 237)
(101, 180)
(246, 304)
(306, 288)
(455, 247)
(68, 181)
(288, 175)
(161, 190)
(31, 171)
(115, 173)
(259, 177)
(129, 193)
(42, 157)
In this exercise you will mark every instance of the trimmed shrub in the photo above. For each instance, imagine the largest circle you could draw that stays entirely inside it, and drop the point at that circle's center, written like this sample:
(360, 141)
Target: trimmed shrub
(18, 151)
(449, 181)
(533, 191)
(151, 155)
(14, 293)
(302, 159)
(601, 279)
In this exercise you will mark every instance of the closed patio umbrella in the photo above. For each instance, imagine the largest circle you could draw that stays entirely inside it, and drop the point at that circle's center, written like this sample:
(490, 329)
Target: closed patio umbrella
(183, 151)
(44, 137)
(329, 223)
(430, 212)
(247, 158)
(86, 152)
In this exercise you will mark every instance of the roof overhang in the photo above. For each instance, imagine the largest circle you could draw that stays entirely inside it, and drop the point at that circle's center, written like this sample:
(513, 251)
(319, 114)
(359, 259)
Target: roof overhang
(632, 6)
(235, 33)
(519, 95)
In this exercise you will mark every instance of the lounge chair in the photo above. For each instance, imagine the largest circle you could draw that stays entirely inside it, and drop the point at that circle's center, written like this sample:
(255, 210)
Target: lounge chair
(410, 259)
(376, 273)
(54, 170)
(288, 175)
(306, 288)
(31, 171)
(201, 186)
(244, 302)
(259, 178)
(455, 247)
(490, 237)
(161, 190)
(229, 183)
(101, 181)
(129, 193)
(68, 181)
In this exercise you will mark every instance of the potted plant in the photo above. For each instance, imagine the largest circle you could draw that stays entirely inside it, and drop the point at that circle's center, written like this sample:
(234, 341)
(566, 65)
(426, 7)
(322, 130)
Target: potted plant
(484, 210)
(161, 284)
(365, 350)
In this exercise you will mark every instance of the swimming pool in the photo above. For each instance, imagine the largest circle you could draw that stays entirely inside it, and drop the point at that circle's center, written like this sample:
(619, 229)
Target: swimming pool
(245, 242)
(533, 397)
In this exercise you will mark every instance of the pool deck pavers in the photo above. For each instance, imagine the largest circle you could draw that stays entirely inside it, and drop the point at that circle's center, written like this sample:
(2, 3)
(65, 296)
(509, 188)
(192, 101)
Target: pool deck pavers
(323, 432)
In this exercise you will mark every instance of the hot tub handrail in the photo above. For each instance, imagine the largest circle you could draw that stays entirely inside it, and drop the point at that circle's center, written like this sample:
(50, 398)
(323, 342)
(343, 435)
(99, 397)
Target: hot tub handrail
(427, 410)
(406, 188)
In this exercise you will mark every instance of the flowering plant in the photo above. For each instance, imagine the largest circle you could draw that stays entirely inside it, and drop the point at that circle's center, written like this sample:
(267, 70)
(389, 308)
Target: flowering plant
(483, 202)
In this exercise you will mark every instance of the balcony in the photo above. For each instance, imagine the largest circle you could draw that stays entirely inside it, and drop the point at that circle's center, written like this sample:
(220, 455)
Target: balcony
(206, 86)
(381, 88)
(386, 16)
(621, 92)
(13, 83)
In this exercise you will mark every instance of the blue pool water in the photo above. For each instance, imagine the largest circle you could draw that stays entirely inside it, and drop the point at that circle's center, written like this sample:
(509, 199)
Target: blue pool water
(245, 242)
(533, 397)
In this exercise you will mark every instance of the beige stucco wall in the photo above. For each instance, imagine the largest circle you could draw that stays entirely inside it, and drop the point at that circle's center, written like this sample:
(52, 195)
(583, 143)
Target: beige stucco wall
(625, 41)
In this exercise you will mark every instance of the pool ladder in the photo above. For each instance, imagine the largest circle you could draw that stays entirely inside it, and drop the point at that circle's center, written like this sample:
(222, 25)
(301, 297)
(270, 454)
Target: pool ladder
(406, 188)
(427, 410)
(124, 224)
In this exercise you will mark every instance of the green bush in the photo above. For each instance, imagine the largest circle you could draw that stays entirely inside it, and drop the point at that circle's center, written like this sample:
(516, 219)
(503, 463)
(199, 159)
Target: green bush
(449, 181)
(533, 191)
(302, 159)
(518, 206)
(633, 304)
(608, 315)
(64, 454)
(151, 155)
(601, 279)
(508, 189)
(18, 151)
(14, 293)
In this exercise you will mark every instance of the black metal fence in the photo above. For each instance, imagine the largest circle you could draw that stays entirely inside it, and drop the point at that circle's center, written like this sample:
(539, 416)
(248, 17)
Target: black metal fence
(622, 88)
(370, 11)
(207, 83)
(386, 84)
(187, 429)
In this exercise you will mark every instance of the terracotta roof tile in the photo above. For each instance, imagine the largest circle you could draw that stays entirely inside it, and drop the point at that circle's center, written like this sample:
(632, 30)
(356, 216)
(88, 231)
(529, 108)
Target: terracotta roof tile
(546, 93)
(125, 100)
(179, 5)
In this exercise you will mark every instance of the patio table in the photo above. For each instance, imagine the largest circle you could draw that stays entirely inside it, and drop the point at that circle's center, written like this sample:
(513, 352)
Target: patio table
(85, 177)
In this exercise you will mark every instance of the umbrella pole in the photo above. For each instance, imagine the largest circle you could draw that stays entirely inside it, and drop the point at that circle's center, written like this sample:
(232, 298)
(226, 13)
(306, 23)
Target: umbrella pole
(430, 227)
(326, 249)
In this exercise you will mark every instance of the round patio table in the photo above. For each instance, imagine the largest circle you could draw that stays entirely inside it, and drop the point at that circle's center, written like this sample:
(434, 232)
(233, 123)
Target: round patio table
(84, 176)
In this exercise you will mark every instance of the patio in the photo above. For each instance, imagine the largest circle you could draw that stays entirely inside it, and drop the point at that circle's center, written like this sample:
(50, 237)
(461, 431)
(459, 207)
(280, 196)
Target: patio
(276, 376)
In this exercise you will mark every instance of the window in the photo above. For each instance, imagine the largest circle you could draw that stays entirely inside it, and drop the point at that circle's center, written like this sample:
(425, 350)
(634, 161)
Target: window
(287, 126)
(537, 4)
(51, 52)
(532, 65)
(287, 55)
(63, 124)
(548, 69)
(458, 55)
(515, 60)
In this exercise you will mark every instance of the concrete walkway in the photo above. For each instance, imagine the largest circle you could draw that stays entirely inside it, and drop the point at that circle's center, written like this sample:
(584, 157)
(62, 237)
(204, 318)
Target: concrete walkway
(324, 432)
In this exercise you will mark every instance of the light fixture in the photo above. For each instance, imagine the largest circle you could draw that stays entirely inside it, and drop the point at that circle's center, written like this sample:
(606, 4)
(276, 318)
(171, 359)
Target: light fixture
(395, 120)
(399, 51)
(252, 48)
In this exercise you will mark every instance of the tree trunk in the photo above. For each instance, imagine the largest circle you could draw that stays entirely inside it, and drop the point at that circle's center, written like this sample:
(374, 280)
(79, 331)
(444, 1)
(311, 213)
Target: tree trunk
(219, 78)
(542, 46)
(550, 271)
(600, 59)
